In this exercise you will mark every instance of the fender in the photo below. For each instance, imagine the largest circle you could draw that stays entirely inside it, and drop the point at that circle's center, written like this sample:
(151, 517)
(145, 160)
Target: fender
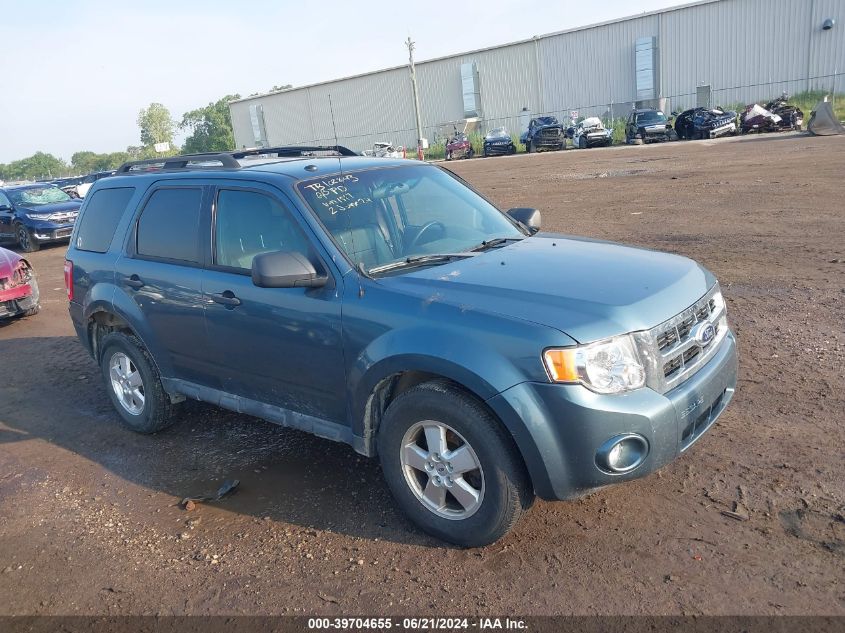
(465, 355)
(123, 306)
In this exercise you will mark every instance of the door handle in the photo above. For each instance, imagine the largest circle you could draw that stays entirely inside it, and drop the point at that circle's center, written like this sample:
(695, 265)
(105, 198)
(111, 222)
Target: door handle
(134, 282)
(226, 298)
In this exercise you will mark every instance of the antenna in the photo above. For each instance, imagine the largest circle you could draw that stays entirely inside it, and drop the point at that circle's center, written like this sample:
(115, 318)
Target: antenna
(360, 267)
(331, 111)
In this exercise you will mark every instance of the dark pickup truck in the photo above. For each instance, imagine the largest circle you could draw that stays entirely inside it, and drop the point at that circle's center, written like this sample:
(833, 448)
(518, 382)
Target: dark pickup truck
(543, 133)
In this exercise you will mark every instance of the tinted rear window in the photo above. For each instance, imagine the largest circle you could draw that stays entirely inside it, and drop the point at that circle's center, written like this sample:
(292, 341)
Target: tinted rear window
(101, 217)
(169, 225)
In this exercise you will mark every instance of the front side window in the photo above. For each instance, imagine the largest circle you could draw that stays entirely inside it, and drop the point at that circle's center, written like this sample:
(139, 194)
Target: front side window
(169, 225)
(249, 223)
(386, 215)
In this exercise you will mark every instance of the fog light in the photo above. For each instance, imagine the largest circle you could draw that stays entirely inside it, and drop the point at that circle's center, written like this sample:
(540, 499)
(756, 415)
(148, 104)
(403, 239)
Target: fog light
(622, 454)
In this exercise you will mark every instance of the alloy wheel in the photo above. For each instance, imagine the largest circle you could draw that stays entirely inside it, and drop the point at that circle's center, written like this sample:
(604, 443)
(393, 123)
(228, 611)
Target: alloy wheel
(127, 384)
(23, 238)
(442, 470)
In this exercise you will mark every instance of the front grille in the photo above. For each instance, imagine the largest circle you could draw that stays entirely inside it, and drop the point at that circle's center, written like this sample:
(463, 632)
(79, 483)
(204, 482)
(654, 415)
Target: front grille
(671, 353)
(549, 135)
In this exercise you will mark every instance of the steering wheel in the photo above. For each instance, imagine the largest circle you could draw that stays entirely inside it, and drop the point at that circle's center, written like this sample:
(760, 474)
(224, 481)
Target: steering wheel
(427, 228)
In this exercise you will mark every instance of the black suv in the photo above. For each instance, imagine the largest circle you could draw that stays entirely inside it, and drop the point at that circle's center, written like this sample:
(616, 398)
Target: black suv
(386, 304)
(647, 126)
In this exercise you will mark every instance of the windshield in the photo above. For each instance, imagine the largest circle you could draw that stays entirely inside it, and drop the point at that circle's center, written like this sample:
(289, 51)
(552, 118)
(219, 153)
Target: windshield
(547, 120)
(37, 196)
(387, 215)
(651, 118)
(499, 132)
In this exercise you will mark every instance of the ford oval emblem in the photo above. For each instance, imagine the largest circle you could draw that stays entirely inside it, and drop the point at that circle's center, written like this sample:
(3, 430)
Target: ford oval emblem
(704, 333)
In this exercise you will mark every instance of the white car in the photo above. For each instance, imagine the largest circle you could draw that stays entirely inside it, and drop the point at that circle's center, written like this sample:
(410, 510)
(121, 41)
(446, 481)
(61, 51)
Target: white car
(83, 187)
(383, 149)
(591, 133)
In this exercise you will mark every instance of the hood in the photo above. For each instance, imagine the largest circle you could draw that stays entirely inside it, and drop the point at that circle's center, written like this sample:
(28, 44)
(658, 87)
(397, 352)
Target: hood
(588, 289)
(8, 259)
(56, 207)
(547, 126)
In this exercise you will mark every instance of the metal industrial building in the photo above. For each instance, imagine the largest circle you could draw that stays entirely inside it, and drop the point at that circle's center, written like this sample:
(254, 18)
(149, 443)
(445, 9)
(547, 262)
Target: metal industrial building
(710, 52)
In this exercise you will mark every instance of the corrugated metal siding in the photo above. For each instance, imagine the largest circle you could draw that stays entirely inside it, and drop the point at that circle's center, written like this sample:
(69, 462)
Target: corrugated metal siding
(587, 70)
(826, 48)
(507, 79)
(746, 50)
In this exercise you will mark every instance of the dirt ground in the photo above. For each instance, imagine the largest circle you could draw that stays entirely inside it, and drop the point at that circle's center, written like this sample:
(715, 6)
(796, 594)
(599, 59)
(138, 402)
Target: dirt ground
(89, 514)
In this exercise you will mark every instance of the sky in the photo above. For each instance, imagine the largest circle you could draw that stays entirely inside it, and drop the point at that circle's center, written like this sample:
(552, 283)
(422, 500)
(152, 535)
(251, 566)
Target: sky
(76, 73)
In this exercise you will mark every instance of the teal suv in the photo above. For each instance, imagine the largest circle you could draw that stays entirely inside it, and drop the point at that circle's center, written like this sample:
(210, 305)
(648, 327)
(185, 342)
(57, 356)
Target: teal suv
(388, 305)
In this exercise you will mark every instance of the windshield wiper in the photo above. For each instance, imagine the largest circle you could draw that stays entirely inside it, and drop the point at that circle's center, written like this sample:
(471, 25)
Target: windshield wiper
(496, 241)
(420, 260)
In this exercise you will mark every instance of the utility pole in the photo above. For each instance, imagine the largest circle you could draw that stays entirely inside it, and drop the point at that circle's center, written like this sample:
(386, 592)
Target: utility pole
(410, 44)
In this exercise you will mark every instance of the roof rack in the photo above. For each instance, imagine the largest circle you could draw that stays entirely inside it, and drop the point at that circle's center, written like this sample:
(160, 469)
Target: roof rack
(294, 150)
(227, 160)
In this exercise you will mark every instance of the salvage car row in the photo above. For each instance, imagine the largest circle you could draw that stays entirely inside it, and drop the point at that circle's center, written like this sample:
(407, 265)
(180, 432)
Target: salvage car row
(547, 133)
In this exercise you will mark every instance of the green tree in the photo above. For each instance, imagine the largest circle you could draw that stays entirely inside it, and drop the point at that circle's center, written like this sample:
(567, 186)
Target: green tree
(39, 166)
(86, 162)
(156, 125)
(211, 127)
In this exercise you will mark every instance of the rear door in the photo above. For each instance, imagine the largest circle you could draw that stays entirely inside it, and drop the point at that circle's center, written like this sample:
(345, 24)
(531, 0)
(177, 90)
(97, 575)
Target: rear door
(161, 275)
(278, 346)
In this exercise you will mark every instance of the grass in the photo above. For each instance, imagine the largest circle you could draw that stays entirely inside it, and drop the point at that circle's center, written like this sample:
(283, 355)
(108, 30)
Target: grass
(806, 101)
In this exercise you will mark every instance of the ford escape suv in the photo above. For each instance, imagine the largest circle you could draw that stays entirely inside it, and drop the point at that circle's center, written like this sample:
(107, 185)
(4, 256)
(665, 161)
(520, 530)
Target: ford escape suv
(386, 304)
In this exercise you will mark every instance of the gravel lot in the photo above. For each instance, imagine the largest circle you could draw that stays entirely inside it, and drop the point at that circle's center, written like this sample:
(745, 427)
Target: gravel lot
(90, 521)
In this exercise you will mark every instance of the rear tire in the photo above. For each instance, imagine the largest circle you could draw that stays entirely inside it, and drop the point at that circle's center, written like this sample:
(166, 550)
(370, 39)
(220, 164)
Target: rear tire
(134, 384)
(451, 466)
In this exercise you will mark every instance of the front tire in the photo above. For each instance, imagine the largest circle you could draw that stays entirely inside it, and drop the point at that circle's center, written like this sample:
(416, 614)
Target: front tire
(452, 468)
(134, 384)
(26, 240)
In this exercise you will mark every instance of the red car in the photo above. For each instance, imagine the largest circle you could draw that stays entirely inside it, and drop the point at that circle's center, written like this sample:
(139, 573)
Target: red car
(18, 289)
(459, 147)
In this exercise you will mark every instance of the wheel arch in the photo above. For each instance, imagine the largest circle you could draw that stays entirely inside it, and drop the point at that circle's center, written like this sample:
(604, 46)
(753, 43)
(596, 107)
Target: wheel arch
(382, 391)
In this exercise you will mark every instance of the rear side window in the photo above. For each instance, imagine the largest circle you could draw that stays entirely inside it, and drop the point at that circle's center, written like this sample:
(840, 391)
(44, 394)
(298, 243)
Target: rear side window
(169, 225)
(101, 217)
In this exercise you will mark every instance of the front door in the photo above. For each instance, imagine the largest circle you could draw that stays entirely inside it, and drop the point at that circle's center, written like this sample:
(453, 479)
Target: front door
(7, 231)
(278, 346)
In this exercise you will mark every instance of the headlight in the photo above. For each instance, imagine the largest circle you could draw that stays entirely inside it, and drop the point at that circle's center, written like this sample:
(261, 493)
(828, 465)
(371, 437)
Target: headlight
(611, 366)
(38, 216)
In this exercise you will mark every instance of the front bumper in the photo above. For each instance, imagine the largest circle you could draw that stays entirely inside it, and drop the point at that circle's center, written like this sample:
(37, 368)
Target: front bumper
(44, 232)
(491, 149)
(723, 130)
(20, 299)
(560, 428)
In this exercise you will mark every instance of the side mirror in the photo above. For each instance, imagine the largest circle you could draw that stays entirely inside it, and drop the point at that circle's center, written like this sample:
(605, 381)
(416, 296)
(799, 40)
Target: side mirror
(527, 217)
(285, 269)
(5, 207)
